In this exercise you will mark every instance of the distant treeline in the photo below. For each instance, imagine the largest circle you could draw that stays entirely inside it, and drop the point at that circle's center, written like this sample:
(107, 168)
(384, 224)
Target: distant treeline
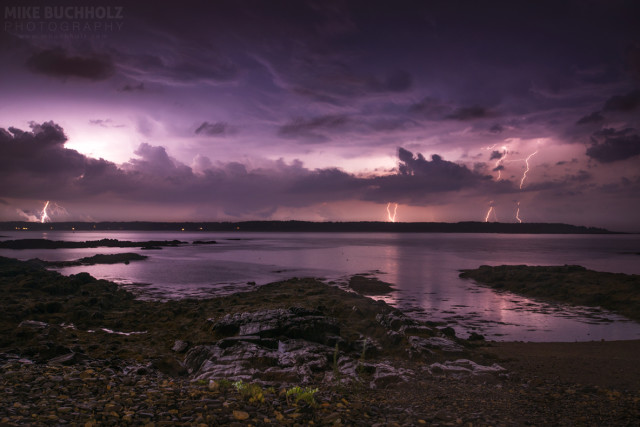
(308, 226)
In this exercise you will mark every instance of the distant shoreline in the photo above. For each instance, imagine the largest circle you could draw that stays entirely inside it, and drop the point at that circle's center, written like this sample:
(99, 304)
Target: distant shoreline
(309, 226)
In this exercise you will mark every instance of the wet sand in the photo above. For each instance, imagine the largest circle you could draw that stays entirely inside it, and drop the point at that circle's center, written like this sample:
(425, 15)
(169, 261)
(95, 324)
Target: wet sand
(606, 364)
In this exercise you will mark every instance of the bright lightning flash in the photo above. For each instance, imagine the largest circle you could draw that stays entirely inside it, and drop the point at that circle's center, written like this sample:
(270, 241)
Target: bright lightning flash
(526, 161)
(489, 212)
(392, 216)
(518, 214)
(500, 161)
(45, 217)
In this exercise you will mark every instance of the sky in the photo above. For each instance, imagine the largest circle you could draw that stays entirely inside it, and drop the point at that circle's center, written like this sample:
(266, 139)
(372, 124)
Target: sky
(321, 110)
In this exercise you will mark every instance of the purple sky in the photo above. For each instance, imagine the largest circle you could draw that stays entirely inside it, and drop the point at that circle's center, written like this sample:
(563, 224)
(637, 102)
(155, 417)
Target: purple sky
(322, 110)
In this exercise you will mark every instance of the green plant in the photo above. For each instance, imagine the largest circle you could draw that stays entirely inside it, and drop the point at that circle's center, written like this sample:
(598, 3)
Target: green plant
(251, 392)
(360, 368)
(304, 394)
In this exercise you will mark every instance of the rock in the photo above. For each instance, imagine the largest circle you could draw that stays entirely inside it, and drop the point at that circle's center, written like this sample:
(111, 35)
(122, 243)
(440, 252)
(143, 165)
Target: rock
(67, 359)
(32, 324)
(369, 285)
(475, 337)
(395, 320)
(464, 367)
(169, 366)
(424, 345)
(448, 331)
(180, 346)
(295, 322)
(294, 361)
(204, 242)
(385, 375)
(240, 415)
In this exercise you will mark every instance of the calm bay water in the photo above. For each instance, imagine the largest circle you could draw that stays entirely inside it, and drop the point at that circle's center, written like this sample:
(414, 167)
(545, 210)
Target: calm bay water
(423, 268)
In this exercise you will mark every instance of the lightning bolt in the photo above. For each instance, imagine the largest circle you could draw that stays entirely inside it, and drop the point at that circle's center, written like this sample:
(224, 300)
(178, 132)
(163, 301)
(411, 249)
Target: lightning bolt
(518, 214)
(489, 212)
(45, 217)
(526, 161)
(392, 216)
(500, 160)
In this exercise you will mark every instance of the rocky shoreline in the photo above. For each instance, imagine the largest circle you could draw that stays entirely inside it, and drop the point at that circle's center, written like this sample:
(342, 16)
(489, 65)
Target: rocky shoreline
(80, 351)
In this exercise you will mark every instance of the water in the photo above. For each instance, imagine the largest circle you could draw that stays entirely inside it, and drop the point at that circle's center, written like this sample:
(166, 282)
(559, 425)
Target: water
(423, 267)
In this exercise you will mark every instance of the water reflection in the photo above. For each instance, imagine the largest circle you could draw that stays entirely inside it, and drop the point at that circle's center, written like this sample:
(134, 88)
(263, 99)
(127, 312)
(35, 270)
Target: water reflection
(423, 268)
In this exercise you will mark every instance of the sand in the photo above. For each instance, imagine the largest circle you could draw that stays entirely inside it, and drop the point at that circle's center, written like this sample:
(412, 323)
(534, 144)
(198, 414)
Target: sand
(608, 364)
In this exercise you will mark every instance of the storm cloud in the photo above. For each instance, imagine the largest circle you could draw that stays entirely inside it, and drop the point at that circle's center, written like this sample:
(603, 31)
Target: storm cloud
(313, 129)
(58, 63)
(213, 129)
(267, 109)
(620, 146)
(469, 113)
(594, 117)
(628, 102)
(154, 176)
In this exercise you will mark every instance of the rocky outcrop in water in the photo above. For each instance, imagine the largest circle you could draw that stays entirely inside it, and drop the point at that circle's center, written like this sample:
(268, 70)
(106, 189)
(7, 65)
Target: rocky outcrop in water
(123, 258)
(369, 285)
(572, 284)
(63, 244)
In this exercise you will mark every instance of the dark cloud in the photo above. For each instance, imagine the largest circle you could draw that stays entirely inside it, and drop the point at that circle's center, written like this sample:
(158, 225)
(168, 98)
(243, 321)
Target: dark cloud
(497, 128)
(602, 134)
(341, 84)
(58, 63)
(328, 184)
(448, 175)
(36, 163)
(633, 60)
(435, 109)
(628, 102)
(615, 148)
(398, 81)
(315, 128)
(183, 62)
(594, 117)
(420, 181)
(469, 113)
(387, 124)
(430, 107)
(213, 129)
(133, 88)
(580, 176)
(496, 155)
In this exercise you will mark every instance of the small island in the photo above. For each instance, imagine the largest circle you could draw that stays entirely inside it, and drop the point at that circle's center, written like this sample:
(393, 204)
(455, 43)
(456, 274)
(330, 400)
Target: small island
(123, 258)
(569, 284)
(102, 243)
